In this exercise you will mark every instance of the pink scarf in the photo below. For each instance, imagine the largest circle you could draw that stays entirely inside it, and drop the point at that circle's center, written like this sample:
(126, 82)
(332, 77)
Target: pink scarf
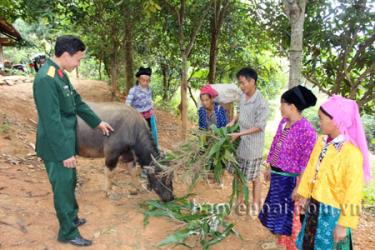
(346, 116)
(209, 90)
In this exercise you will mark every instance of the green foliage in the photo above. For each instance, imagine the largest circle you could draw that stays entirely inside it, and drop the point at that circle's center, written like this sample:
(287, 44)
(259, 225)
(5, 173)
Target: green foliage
(10, 9)
(89, 69)
(369, 192)
(101, 25)
(205, 222)
(369, 126)
(340, 52)
(209, 151)
(311, 114)
(338, 45)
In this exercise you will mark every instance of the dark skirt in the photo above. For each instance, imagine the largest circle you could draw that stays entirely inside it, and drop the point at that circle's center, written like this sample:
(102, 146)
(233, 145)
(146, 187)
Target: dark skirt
(278, 208)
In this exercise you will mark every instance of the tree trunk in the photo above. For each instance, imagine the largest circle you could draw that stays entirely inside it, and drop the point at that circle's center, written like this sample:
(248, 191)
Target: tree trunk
(184, 103)
(128, 46)
(107, 66)
(1, 55)
(114, 75)
(213, 53)
(165, 73)
(101, 60)
(100, 69)
(219, 12)
(185, 52)
(295, 10)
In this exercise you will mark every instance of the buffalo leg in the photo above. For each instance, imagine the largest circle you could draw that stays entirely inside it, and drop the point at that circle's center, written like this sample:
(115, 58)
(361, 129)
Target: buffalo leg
(107, 180)
(110, 165)
(128, 157)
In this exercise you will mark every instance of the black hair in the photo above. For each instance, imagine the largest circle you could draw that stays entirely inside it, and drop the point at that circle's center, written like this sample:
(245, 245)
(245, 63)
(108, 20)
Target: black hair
(68, 43)
(248, 72)
(300, 96)
(144, 71)
(326, 113)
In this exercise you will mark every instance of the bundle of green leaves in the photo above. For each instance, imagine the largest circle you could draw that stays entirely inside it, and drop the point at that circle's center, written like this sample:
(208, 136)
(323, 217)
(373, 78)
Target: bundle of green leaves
(205, 152)
(199, 222)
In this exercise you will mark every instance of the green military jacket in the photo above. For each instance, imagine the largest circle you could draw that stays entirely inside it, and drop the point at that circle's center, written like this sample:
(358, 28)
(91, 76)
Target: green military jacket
(58, 105)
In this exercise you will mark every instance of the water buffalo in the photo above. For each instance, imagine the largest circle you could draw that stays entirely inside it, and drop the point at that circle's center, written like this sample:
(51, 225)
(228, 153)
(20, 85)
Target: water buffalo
(131, 137)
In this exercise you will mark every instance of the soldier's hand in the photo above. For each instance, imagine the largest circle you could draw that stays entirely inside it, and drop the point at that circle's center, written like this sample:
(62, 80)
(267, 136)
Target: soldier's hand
(105, 128)
(70, 162)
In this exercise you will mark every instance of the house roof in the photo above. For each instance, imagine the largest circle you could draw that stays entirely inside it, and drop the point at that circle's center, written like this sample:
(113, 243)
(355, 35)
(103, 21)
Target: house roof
(9, 36)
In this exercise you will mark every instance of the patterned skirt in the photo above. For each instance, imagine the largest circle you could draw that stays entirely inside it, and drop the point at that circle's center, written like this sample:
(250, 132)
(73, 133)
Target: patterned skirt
(318, 227)
(278, 209)
(249, 168)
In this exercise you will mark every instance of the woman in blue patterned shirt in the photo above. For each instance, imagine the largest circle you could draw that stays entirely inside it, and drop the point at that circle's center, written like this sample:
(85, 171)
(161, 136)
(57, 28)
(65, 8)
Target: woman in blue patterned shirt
(140, 98)
(210, 112)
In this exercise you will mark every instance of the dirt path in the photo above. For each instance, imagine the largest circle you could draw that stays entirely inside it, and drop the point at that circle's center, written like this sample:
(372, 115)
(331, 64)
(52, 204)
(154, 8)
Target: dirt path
(27, 217)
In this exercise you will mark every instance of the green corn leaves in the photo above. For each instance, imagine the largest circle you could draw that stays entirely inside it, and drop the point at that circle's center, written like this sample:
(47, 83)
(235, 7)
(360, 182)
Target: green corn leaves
(204, 222)
(204, 152)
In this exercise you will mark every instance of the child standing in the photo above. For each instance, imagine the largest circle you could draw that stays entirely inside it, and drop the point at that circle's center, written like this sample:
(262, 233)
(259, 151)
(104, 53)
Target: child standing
(140, 98)
(290, 151)
(334, 178)
(210, 112)
(252, 118)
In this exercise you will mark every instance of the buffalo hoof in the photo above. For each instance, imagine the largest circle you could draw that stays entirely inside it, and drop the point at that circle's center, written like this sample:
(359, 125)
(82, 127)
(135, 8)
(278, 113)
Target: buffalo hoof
(146, 186)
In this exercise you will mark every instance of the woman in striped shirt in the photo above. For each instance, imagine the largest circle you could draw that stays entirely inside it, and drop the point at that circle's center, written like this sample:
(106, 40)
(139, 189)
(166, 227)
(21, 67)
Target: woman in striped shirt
(140, 98)
(290, 151)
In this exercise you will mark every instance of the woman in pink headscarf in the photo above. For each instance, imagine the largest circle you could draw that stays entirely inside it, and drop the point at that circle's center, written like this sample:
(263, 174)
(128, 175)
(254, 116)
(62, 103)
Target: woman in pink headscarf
(334, 178)
(210, 112)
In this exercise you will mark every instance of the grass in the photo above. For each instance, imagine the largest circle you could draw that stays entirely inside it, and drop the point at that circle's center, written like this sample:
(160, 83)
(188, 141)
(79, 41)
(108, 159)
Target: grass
(4, 127)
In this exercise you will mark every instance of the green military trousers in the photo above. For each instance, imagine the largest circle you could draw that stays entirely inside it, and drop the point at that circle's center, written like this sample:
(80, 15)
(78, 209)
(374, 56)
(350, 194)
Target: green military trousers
(63, 181)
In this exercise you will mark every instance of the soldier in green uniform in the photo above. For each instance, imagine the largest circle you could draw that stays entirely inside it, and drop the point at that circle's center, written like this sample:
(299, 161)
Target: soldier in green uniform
(58, 105)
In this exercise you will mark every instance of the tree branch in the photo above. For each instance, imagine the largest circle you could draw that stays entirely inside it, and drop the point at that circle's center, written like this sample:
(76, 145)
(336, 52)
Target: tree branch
(222, 13)
(370, 71)
(172, 9)
(342, 72)
(192, 96)
(196, 31)
(368, 96)
(316, 84)
(361, 48)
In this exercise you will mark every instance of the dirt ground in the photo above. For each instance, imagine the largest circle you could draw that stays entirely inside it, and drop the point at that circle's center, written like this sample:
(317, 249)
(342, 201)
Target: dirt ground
(27, 216)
